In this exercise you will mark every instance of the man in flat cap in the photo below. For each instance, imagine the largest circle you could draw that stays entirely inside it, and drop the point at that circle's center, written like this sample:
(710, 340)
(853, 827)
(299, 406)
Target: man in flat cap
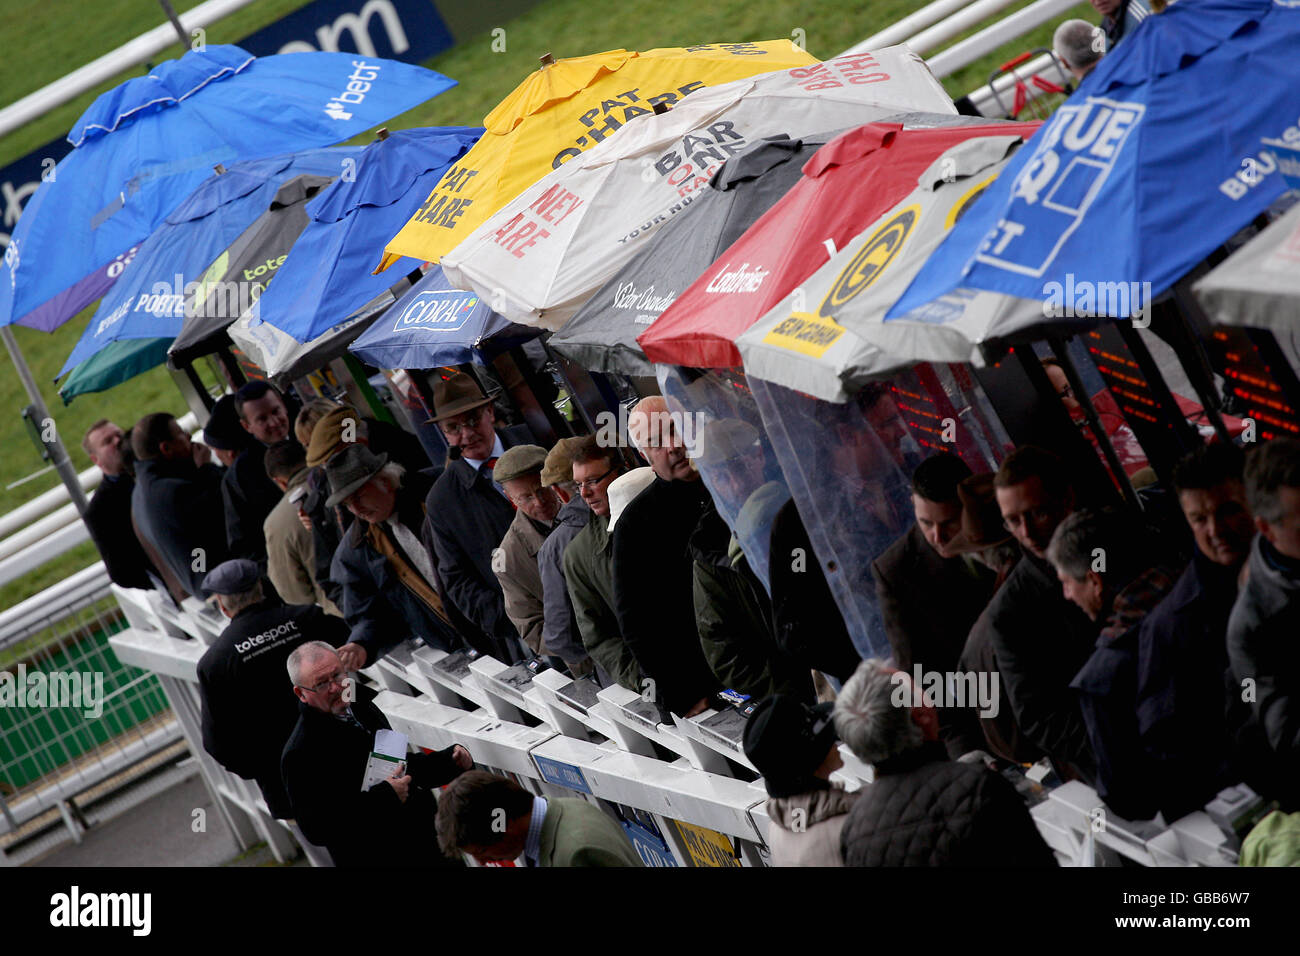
(469, 512)
(390, 583)
(290, 548)
(519, 472)
(560, 630)
(248, 705)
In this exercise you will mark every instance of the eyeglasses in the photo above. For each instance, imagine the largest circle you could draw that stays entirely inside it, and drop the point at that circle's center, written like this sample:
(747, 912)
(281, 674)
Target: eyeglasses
(338, 677)
(453, 428)
(591, 483)
(540, 495)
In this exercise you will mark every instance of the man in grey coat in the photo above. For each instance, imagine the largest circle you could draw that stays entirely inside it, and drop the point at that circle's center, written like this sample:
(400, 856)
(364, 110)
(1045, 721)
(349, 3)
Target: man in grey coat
(559, 628)
(515, 561)
(1263, 649)
(468, 513)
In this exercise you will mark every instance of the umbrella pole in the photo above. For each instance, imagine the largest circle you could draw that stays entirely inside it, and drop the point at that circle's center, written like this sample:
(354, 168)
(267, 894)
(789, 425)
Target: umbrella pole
(59, 455)
(176, 21)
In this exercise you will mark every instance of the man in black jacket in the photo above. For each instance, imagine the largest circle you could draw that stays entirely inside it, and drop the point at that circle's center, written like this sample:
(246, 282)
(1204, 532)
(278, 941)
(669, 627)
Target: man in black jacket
(108, 515)
(174, 501)
(929, 595)
(806, 620)
(247, 702)
(923, 809)
(391, 824)
(469, 513)
(1109, 569)
(1182, 644)
(653, 569)
(248, 494)
(1039, 638)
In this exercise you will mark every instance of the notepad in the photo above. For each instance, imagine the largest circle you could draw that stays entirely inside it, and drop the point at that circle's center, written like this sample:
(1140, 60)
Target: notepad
(389, 753)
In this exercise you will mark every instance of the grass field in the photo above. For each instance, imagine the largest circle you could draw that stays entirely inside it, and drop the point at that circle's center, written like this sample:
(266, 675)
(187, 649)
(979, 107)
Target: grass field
(48, 39)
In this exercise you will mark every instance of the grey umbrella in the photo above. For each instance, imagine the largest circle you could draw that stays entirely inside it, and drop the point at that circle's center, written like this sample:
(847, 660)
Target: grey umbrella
(239, 275)
(1259, 284)
(602, 336)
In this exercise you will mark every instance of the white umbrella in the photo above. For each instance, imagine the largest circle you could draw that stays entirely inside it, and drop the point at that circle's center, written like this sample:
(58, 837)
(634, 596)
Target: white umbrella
(284, 358)
(1259, 284)
(538, 259)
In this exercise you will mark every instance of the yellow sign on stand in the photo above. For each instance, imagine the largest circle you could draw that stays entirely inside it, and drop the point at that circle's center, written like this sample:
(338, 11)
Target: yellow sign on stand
(706, 847)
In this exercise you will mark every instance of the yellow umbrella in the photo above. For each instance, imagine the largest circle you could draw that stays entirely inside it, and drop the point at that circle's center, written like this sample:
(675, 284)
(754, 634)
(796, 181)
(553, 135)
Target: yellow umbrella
(561, 110)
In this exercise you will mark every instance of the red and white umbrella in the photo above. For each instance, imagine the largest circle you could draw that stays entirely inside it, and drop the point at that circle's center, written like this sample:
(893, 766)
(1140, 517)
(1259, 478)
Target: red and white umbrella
(847, 184)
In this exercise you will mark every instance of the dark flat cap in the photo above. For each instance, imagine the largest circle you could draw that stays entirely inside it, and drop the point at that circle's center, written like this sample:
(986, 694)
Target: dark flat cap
(232, 577)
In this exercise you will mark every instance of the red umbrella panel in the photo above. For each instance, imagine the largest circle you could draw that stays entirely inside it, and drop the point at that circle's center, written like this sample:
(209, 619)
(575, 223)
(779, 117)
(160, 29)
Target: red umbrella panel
(846, 186)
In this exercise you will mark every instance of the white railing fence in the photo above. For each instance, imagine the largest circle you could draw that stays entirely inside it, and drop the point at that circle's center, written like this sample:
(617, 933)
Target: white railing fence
(569, 738)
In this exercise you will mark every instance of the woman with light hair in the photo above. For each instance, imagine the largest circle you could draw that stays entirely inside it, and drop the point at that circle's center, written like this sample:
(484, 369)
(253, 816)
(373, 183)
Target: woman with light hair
(923, 809)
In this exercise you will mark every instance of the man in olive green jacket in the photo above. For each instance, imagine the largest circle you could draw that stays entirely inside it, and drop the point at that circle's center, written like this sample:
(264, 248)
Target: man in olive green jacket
(545, 831)
(588, 569)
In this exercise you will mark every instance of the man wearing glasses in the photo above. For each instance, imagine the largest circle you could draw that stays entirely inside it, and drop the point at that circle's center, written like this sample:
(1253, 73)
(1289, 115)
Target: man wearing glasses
(589, 568)
(324, 762)
(469, 513)
(654, 582)
(248, 709)
(1039, 638)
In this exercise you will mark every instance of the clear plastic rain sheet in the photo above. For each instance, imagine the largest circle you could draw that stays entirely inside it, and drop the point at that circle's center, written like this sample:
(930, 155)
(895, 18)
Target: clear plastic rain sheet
(723, 432)
(849, 469)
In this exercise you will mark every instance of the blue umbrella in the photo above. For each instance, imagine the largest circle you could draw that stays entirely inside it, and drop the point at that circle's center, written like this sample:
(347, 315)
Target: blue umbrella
(328, 273)
(190, 238)
(144, 146)
(1144, 171)
(433, 325)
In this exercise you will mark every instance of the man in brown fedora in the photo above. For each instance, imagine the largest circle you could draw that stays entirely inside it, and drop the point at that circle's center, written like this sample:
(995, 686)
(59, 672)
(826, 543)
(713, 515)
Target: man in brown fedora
(469, 513)
(389, 581)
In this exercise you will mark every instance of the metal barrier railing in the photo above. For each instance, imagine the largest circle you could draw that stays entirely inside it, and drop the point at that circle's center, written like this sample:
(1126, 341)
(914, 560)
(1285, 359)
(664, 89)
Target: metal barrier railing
(72, 717)
(684, 791)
